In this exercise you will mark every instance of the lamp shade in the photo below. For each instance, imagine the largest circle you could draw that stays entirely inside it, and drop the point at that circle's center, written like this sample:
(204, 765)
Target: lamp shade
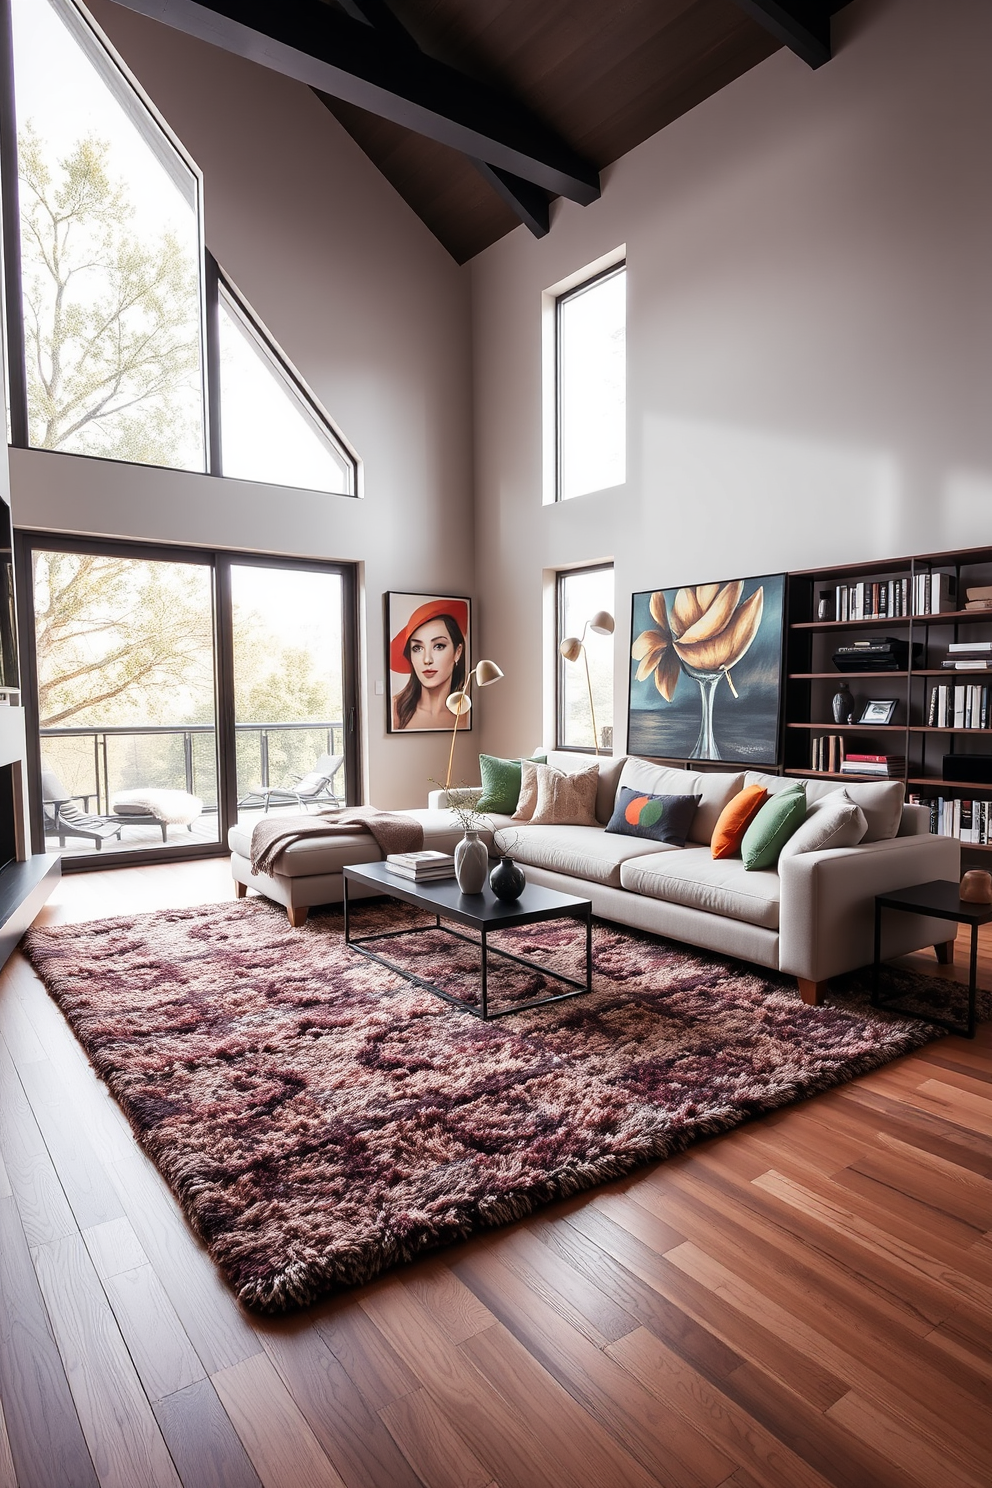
(487, 672)
(602, 623)
(458, 703)
(571, 648)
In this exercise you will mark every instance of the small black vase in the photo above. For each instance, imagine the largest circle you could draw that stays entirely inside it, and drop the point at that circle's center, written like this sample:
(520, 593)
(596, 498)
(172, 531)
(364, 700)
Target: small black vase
(507, 880)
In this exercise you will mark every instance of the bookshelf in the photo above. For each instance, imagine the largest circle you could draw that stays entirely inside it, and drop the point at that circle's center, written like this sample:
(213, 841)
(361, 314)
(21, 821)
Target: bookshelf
(923, 743)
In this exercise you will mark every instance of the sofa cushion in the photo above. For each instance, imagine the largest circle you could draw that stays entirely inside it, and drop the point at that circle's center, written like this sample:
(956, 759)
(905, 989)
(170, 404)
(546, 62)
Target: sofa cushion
(580, 852)
(734, 820)
(609, 775)
(772, 827)
(565, 798)
(655, 818)
(880, 800)
(501, 782)
(720, 886)
(714, 790)
(320, 855)
(834, 821)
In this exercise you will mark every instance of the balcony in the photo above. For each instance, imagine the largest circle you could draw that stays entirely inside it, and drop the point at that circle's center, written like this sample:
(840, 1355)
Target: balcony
(94, 764)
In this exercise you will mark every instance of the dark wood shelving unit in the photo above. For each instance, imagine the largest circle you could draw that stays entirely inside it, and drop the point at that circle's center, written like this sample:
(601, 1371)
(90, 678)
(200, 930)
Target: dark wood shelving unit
(811, 678)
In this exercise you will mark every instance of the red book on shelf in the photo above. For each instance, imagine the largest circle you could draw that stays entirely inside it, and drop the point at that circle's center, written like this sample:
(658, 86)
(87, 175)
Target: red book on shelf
(873, 759)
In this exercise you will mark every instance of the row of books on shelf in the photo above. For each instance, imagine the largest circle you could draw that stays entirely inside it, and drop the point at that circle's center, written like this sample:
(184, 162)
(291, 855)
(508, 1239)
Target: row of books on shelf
(830, 757)
(422, 866)
(873, 599)
(969, 821)
(961, 705)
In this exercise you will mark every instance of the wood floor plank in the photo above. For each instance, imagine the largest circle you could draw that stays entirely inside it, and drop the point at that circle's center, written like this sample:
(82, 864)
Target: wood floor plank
(576, 1440)
(436, 1453)
(351, 1435)
(730, 1429)
(671, 1320)
(41, 1202)
(92, 1197)
(958, 1191)
(457, 1312)
(749, 1340)
(163, 1355)
(283, 1449)
(926, 1129)
(46, 1439)
(216, 1326)
(651, 1433)
(576, 1299)
(6, 1191)
(114, 1247)
(509, 1444)
(205, 1447)
(918, 1458)
(371, 1362)
(7, 1475)
(117, 1420)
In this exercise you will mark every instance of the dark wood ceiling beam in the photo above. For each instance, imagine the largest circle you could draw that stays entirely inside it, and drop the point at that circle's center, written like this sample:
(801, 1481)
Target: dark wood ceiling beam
(528, 201)
(801, 25)
(346, 58)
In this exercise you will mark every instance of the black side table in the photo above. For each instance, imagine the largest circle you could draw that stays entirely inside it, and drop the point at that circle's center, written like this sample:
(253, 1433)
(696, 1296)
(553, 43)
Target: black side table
(941, 900)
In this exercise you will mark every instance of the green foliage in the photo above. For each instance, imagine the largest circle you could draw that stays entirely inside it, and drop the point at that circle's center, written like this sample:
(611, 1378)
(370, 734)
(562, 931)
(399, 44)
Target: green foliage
(111, 320)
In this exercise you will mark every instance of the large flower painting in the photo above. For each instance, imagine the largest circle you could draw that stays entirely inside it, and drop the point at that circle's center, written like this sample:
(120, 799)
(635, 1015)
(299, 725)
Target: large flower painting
(706, 671)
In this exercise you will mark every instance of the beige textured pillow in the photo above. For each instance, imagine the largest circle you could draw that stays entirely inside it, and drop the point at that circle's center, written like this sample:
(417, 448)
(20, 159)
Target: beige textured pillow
(527, 799)
(566, 800)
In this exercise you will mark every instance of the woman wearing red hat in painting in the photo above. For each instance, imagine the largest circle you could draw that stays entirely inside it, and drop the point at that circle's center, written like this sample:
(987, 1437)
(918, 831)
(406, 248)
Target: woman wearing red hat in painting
(431, 648)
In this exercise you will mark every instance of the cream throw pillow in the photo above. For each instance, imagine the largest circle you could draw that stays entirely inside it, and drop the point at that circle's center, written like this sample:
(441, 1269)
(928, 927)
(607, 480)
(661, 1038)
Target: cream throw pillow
(833, 821)
(527, 800)
(565, 800)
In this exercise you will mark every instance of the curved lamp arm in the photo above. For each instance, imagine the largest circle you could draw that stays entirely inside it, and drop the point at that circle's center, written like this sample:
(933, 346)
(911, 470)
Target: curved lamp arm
(572, 647)
(458, 703)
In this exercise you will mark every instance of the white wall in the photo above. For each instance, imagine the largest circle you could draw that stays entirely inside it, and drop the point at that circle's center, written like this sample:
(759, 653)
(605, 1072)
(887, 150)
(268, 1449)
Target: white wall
(368, 306)
(809, 337)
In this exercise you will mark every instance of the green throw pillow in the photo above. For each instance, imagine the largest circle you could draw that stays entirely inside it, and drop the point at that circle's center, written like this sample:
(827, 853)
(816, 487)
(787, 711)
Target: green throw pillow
(773, 826)
(501, 782)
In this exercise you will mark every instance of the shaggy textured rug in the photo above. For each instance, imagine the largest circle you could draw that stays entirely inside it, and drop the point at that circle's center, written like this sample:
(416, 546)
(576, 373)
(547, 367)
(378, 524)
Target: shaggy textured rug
(320, 1118)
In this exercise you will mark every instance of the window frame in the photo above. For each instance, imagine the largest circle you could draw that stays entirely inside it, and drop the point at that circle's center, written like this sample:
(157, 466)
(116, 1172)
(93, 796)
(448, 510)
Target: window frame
(212, 283)
(560, 300)
(219, 561)
(561, 575)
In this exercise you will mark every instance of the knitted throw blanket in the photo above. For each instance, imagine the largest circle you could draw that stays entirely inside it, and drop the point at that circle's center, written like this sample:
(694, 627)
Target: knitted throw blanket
(392, 831)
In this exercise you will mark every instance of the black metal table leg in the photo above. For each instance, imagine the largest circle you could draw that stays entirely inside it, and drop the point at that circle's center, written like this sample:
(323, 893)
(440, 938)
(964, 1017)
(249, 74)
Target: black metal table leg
(878, 954)
(485, 974)
(347, 933)
(589, 949)
(973, 981)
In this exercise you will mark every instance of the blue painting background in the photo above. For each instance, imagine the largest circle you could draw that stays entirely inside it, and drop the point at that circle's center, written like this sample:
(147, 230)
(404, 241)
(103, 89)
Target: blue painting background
(747, 727)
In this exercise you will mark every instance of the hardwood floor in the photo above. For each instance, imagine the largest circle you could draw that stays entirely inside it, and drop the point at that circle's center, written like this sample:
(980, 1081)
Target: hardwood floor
(804, 1301)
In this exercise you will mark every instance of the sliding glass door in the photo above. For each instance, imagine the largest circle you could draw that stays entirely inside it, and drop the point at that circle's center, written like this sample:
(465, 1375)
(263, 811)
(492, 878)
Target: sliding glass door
(175, 692)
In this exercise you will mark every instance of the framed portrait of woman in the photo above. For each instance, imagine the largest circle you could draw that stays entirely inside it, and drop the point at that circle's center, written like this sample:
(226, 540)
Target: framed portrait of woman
(429, 639)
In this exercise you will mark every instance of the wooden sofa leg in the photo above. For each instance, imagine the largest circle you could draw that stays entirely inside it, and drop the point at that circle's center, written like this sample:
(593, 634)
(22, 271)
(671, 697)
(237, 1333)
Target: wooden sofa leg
(811, 992)
(297, 915)
(945, 953)
(240, 890)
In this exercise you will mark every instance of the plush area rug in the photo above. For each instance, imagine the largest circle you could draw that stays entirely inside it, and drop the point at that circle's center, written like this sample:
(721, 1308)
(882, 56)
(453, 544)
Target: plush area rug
(320, 1118)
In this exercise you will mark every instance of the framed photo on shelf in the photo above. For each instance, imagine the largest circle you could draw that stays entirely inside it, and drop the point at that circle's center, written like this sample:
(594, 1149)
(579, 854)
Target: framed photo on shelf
(428, 655)
(879, 710)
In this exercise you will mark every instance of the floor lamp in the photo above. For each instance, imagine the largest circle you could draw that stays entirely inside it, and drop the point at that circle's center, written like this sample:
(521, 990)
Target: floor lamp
(459, 702)
(572, 647)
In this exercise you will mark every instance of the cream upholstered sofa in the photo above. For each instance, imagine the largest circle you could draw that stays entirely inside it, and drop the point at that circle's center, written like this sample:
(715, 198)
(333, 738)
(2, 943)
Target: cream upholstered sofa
(812, 917)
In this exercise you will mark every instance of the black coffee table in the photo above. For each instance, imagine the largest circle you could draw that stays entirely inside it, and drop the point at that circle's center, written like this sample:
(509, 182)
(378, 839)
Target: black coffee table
(941, 900)
(482, 913)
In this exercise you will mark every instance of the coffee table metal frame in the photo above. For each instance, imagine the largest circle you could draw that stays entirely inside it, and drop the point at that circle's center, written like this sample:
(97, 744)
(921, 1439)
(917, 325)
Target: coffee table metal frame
(940, 900)
(483, 913)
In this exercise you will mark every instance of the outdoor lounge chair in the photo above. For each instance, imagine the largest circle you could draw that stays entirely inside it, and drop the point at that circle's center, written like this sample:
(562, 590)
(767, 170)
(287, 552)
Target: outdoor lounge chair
(313, 787)
(63, 817)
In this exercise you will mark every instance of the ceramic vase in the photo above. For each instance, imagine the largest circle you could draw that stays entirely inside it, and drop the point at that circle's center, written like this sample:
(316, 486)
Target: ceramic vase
(471, 863)
(507, 880)
(843, 704)
(976, 887)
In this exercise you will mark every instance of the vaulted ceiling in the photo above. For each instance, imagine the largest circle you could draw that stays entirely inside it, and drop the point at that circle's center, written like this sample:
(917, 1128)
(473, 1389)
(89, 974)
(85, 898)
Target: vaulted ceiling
(480, 112)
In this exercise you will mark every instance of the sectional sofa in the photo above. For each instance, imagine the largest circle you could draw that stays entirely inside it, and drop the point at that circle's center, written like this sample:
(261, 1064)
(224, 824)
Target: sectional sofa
(811, 917)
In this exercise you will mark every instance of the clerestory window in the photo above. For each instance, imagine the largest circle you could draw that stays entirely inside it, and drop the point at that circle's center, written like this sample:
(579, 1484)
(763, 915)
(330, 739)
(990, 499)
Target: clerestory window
(591, 385)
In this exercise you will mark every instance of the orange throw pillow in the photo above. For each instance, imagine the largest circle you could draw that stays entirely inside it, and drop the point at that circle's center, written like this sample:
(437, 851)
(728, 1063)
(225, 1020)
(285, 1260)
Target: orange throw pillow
(734, 820)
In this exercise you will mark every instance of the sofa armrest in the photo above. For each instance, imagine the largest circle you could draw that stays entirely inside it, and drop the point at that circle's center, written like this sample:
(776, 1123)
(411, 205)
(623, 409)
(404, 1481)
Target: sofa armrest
(915, 821)
(465, 795)
(827, 910)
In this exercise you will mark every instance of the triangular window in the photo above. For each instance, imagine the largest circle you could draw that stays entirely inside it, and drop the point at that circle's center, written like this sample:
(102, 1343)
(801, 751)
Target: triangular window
(272, 428)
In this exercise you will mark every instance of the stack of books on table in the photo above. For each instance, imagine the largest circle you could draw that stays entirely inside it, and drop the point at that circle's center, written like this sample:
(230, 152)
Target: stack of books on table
(979, 598)
(422, 866)
(885, 766)
(969, 656)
